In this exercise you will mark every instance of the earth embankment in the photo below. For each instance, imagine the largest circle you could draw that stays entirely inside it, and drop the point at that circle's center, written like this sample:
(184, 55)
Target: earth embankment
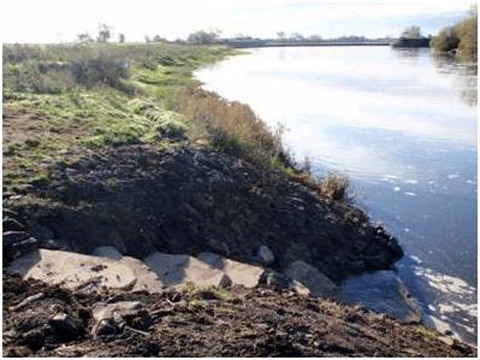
(142, 199)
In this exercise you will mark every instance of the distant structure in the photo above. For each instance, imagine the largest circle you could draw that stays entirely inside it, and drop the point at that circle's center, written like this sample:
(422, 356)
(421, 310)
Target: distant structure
(404, 42)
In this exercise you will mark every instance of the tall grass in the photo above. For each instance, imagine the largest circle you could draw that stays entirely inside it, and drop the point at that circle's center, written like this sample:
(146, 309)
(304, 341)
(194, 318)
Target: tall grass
(232, 126)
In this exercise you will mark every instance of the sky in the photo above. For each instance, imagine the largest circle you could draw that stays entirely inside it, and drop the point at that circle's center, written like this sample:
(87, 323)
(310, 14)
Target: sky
(49, 21)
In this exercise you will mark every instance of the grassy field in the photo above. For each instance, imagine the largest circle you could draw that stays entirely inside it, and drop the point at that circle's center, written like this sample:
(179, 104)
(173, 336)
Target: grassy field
(60, 99)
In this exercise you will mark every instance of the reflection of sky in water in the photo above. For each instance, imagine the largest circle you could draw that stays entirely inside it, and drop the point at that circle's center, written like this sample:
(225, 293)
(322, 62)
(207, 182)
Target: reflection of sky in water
(399, 123)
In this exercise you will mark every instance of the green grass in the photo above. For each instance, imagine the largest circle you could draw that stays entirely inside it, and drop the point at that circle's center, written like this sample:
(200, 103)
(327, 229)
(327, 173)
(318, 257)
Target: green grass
(73, 97)
(429, 334)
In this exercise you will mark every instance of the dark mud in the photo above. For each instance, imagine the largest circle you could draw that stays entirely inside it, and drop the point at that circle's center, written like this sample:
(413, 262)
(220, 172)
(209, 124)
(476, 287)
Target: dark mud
(239, 322)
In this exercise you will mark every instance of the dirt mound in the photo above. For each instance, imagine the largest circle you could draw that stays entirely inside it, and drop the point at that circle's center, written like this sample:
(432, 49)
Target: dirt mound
(41, 320)
(141, 199)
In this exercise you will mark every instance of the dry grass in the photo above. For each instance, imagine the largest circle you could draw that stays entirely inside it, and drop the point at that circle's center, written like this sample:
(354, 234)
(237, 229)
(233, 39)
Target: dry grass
(232, 126)
(335, 186)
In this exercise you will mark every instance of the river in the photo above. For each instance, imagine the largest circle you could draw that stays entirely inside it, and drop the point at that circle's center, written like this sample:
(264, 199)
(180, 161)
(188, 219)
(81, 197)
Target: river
(403, 126)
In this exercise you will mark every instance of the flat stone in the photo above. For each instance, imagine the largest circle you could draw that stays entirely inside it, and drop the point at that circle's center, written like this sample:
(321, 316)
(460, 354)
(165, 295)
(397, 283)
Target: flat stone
(206, 269)
(72, 270)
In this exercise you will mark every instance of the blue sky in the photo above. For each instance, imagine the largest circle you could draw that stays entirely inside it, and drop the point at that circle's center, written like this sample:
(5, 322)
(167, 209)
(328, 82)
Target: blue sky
(55, 21)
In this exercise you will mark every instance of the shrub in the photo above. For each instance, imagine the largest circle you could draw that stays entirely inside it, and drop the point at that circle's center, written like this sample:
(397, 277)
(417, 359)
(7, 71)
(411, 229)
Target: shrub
(462, 36)
(446, 40)
(335, 186)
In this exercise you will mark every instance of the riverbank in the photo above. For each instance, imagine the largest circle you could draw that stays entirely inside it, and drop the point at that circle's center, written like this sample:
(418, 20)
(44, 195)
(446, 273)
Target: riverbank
(41, 320)
(131, 154)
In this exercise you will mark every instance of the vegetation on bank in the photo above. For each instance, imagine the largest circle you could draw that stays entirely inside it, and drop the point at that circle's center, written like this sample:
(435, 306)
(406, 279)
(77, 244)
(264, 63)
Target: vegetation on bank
(460, 39)
(59, 97)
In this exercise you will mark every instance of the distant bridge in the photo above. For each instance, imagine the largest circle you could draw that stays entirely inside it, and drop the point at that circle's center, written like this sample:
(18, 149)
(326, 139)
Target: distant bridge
(264, 43)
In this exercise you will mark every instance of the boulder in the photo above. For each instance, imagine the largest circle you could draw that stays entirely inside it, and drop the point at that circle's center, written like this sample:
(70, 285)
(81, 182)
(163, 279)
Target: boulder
(312, 278)
(383, 292)
(265, 255)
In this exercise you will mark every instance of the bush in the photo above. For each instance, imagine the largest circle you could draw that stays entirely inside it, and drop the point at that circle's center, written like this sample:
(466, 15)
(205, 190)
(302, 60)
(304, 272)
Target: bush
(461, 37)
(89, 72)
(335, 187)
(446, 41)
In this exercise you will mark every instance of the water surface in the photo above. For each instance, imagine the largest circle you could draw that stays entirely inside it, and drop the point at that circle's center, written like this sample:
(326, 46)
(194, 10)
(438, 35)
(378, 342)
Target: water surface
(403, 126)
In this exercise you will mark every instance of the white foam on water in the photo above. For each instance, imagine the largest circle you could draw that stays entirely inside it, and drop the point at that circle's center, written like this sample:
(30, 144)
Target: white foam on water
(411, 181)
(445, 283)
(453, 176)
(410, 194)
(416, 259)
(396, 189)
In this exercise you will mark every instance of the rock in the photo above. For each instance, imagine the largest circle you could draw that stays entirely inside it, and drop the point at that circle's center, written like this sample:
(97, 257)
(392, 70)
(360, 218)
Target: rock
(9, 212)
(312, 278)
(104, 327)
(67, 326)
(11, 237)
(28, 300)
(35, 339)
(72, 270)
(225, 282)
(131, 313)
(266, 255)
(10, 224)
(447, 340)
(383, 292)
(299, 288)
(275, 279)
(16, 250)
(7, 195)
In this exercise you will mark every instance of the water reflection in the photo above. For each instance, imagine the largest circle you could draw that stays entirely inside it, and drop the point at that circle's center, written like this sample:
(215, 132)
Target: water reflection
(464, 76)
(408, 53)
(401, 124)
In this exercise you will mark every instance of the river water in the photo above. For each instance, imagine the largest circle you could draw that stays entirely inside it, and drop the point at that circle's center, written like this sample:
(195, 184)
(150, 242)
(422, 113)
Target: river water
(403, 126)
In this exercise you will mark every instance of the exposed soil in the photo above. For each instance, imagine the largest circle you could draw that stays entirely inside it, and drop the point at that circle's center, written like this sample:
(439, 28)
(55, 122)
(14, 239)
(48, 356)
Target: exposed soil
(141, 199)
(248, 322)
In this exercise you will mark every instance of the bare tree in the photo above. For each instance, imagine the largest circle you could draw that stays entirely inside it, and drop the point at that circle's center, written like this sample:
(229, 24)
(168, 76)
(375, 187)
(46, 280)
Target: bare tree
(121, 38)
(104, 33)
(84, 38)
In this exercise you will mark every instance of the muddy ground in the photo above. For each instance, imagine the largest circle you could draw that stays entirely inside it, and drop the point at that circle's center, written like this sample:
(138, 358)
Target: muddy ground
(236, 322)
